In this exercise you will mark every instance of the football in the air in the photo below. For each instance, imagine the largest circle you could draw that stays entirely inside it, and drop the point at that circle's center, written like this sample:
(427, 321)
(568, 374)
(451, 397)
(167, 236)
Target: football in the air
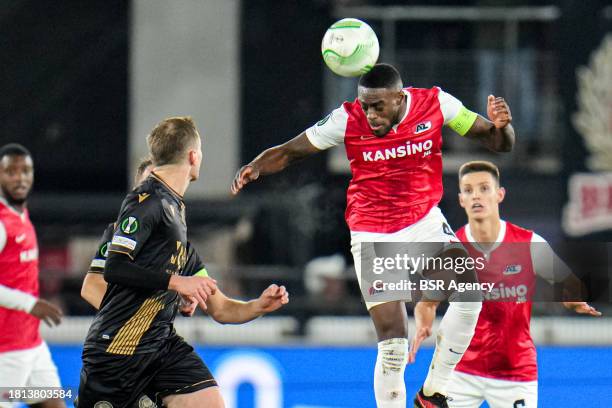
(350, 47)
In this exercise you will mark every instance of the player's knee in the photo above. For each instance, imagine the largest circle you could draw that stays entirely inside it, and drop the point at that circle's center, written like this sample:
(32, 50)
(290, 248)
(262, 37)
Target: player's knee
(392, 331)
(393, 355)
(390, 320)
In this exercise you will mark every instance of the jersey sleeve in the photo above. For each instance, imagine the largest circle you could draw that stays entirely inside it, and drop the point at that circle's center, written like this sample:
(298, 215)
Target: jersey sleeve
(329, 131)
(456, 116)
(16, 299)
(99, 260)
(194, 265)
(547, 264)
(136, 222)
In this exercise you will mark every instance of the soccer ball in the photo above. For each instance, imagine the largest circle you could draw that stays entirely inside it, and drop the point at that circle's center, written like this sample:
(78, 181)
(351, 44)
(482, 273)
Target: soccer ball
(350, 47)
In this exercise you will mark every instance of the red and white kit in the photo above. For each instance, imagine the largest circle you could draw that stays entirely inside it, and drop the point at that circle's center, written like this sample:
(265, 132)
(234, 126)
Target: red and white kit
(500, 365)
(24, 357)
(397, 179)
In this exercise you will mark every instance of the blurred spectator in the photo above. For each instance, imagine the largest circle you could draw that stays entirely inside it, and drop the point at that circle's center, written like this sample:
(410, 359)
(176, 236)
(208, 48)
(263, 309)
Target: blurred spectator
(323, 278)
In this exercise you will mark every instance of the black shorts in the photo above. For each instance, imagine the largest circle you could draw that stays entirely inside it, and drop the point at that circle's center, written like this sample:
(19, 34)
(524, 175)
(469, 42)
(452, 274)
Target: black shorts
(121, 380)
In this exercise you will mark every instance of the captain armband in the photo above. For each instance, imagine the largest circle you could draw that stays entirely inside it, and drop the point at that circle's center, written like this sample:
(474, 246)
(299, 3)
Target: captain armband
(463, 121)
(202, 272)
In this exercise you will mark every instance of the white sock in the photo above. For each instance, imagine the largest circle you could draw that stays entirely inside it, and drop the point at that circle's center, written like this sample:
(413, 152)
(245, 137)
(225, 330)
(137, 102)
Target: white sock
(389, 387)
(454, 336)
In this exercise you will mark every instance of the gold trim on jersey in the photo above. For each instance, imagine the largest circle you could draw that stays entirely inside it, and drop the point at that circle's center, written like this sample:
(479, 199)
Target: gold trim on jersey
(194, 385)
(158, 178)
(127, 338)
(179, 258)
(121, 252)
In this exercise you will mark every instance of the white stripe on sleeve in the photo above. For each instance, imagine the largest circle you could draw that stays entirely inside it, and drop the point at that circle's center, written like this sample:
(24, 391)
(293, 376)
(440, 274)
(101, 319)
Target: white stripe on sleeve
(547, 264)
(16, 299)
(449, 105)
(329, 131)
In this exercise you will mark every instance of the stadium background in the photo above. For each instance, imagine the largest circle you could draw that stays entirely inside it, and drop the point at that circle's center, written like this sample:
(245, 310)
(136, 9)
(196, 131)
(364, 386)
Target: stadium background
(83, 82)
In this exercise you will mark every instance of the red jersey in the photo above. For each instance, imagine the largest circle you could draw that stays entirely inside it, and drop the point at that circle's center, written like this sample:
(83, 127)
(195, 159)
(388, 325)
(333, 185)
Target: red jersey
(502, 347)
(397, 178)
(18, 270)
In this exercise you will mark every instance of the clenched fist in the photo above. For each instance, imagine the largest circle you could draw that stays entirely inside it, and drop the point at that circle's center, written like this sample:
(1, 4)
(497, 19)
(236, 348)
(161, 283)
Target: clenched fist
(498, 112)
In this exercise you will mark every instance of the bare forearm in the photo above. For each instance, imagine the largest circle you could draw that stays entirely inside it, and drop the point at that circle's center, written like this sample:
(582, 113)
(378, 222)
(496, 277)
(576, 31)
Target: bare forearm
(93, 289)
(272, 160)
(495, 139)
(425, 313)
(497, 133)
(573, 289)
(501, 140)
(236, 312)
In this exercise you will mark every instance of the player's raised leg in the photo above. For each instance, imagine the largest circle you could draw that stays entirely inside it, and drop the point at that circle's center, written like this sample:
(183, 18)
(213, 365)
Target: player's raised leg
(453, 338)
(391, 324)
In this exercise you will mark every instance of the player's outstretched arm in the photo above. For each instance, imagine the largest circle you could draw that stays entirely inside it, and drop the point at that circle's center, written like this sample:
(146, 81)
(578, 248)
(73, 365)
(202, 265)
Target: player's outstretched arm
(273, 160)
(497, 133)
(227, 310)
(93, 289)
(424, 315)
(573, 288)
(550, 267)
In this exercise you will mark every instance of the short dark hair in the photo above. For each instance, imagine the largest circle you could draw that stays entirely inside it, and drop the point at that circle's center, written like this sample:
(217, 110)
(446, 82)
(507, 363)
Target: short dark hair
(170, 138)
(381, 76)
(479, 165)
(13, 149)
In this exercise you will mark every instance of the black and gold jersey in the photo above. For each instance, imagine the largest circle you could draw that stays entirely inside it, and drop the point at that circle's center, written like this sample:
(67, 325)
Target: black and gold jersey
(152, 232)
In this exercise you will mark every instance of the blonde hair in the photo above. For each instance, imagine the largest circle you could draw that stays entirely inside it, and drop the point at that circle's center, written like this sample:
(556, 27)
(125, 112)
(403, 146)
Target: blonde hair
(171, 138)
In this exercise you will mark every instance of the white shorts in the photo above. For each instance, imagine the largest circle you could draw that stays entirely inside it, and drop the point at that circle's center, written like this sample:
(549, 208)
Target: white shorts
(431, 228)
(28, 368)
(469, 391)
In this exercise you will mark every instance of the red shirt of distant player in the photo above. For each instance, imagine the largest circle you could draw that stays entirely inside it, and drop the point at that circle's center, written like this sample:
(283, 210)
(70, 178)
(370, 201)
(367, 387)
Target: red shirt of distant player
(18, 270)
(397, 178)
(502, 347)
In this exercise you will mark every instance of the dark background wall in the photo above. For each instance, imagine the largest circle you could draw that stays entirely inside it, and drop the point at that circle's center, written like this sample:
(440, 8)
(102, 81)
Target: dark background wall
(64, 90)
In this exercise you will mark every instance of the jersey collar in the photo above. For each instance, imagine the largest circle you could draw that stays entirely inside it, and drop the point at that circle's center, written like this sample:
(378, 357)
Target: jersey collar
(408, 103)
(500, 238)
(21, 214)
(174, 192)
